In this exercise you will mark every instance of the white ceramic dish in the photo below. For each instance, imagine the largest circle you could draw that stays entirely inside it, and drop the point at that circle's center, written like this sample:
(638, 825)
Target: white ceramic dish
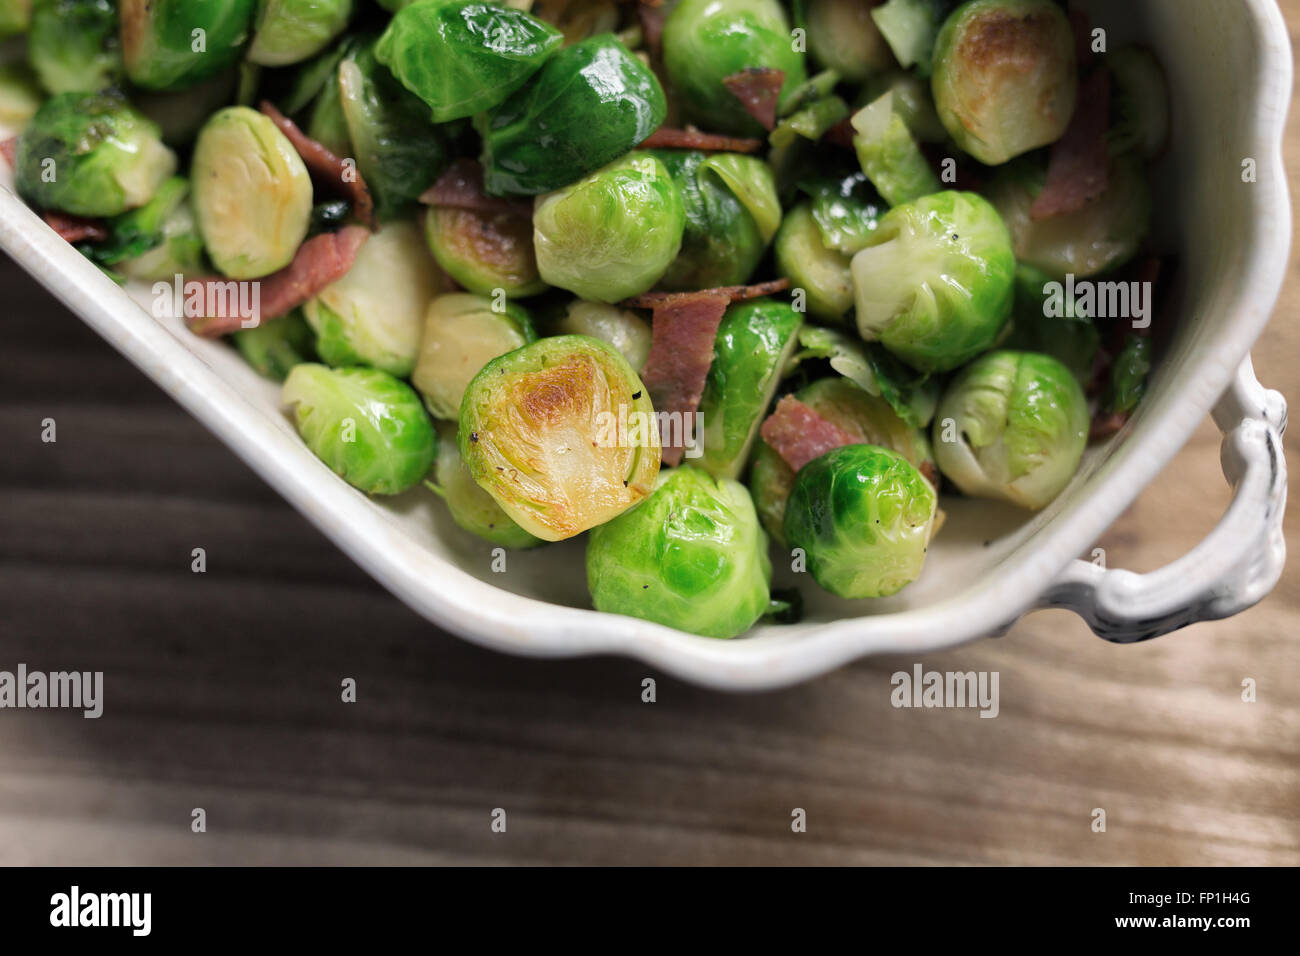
(1230, 68)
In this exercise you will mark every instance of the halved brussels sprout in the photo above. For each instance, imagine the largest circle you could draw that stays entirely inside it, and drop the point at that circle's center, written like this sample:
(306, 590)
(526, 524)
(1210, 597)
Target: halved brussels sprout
(588, 105)
(822, 273)
(90, 154)
(461, 334)
(1139, 103)
(156, 241)
(936, 282)
(863, 515)
(612, 234)
(732, 210)
(1103, 235)
(72, 45)
(15, 17)
(485, 251)
(20, 95)
(471, 507)
(374, 314)
(870, 419)
(621, 328)
(1004, 77)
(462, 57)
(562, 434)
(693, 557)
(910, 28)
(276, 348)
(1020, 424)
(367, 426)
(705, 41)
(289, 31)
(170, 44)
(252, 193)
(889, 155)
(844, 38)
(754, 344)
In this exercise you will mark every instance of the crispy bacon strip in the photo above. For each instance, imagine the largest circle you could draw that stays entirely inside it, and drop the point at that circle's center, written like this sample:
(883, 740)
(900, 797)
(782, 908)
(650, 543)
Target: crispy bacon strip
(75, 228)
(757, 88)
(1078, 170)
(461, 187)
(9, 150)
(798, 434)
(328, 168)
(668, 137)
(732, 293)
(681, 351)
(319, 261)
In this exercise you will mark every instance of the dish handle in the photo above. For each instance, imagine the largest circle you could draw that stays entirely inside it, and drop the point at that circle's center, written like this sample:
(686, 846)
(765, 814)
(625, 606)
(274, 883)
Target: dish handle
(1236, 565)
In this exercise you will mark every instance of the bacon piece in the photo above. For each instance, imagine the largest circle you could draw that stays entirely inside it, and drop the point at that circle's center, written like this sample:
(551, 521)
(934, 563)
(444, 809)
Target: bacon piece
(1106, 424)
(342, 176)
(681, 351)
(757, 88)
(798, 434)
(732, 293)
(667, 137)
(319, 261)
(461, 187)
(9, 150)
(1078, 170)
(841, 134)
(75, 228)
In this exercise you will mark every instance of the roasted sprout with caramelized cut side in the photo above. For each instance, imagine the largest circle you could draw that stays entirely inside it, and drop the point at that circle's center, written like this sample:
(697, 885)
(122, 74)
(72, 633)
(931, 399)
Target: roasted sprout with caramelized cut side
(252, 193)
(275, 349)
(172, 44)
(754, 344)
(485, 251)
(706, 41)
(470, 506)
(935, 284)
(1012, 426)
(374, 314)
(461, 334)
(621, 328)
(613, 234)
(90, 154)
(843, 37)
(693, 557)
(73, 45)
(1103, 235)
(562, 433)
(863, 515)
(290, 31)
(1005, 77)
(368, 427)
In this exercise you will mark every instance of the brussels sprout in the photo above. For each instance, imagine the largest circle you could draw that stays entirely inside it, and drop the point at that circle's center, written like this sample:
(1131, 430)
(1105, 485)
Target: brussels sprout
(276, 348)
(755, 342)
(889, 155)
(732, 210)
(1128, 376)
(844, 38)
(485, 251)
(612, 234)
(15, 17)
(171, 44)
(181, 113)
(913, 101)
(562, 434)
(461, 334)
(912, 395)
(870, 419)
(1004, 77)
(935, 284)
(372, 316)
(1139, 103)
(20, 95)
(693, 557)
(1101, 236)
(846, 210)
(155, 241)
(793, 139)
(252, 193)
(326, 124)
(461, 57)
(367, 426)
(625, 330)
(73, 45)
(398, 152)
(1071, 337)
(289, 31)
(822, 273)
(471, 507)
(705, 41)
(90, 154)
(910, 27)
(863, 515)
(588, 105)
(1018, 424)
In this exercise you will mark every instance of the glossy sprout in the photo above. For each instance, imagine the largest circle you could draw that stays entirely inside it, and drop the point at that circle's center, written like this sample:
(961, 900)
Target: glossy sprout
(73, 45)
(173, 44)
(289, 31)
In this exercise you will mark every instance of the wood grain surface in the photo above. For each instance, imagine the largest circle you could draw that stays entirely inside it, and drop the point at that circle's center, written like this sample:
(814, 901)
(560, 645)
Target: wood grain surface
(223, 688)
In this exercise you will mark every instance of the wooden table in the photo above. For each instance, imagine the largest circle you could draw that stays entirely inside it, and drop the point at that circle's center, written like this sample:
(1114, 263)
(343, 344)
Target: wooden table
(225, 688)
